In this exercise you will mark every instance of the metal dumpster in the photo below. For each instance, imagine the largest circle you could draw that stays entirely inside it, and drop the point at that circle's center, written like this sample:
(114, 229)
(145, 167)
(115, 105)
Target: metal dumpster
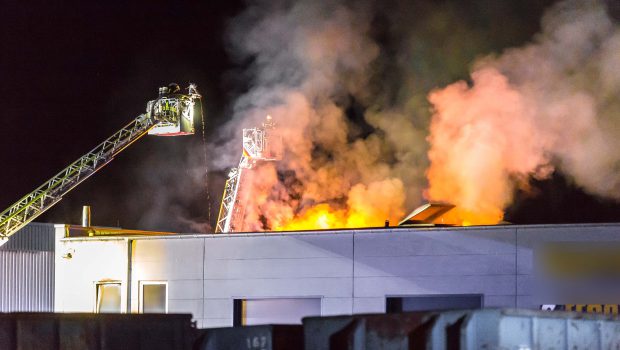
(374, 331)
(39, 331)
(267, 337)
(516, 329)
(438, 331)
(525, 329)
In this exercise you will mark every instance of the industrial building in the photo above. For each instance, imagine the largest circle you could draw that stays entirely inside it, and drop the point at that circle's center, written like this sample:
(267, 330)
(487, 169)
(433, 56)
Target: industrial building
(256, 278)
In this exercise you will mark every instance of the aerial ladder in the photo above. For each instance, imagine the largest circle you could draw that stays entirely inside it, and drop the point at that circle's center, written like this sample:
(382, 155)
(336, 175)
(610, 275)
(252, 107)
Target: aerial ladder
(260, 144)
(172, 113)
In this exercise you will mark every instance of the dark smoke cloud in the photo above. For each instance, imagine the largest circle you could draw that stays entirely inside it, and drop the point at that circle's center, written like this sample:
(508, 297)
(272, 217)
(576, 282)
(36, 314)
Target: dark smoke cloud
(347, 83)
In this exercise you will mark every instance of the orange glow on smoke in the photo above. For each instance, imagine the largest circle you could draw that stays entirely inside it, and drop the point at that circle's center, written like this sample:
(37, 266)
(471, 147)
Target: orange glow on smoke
(482, 147)
(367, 205)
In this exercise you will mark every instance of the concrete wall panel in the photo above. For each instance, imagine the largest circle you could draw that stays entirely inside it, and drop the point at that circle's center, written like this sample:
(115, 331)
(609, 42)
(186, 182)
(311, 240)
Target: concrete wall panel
(474, 284)
(278, 287)
(495, 240)
(218, 308)
(500, 301)
(368, 305)
(168, 269)
(191, 306)
(298, 246)
(336, 306)
(435, 265)
(278, 268)
(215, 322)
(185, 289)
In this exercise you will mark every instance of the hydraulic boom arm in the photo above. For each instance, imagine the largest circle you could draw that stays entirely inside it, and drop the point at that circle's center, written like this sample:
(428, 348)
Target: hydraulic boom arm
(259, 145)
(171, 114)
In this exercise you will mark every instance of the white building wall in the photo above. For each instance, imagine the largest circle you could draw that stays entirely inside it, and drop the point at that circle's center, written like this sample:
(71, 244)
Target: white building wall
(90, 261)
(176, 261)
(437, 261)
(351, 271)
(277, 266)
(529, 238)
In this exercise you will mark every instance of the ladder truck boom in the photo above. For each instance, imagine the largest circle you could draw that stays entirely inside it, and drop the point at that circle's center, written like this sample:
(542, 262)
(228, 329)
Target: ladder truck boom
(260, 144)
(171, 114)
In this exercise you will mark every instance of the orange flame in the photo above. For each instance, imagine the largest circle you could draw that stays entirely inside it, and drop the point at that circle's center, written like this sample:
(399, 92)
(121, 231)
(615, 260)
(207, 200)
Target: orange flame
(463, 217)
(322, 217)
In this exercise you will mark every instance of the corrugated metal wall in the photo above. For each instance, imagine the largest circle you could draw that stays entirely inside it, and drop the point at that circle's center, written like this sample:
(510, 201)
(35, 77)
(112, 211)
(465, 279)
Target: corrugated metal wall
(27, 280)
(35, 236)
(27, 270)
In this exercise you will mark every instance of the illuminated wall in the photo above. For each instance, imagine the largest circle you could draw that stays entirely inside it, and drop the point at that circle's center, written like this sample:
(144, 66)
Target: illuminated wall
(83, 262)
(351, 271)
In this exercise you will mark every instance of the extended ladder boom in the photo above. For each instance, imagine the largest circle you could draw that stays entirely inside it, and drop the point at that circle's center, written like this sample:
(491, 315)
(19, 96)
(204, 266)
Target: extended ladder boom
(170, 114)
(259, 145)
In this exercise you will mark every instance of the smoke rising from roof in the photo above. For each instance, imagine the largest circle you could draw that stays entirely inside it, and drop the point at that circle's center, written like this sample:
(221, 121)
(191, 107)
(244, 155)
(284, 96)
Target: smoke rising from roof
(348, 93)
(551, 104)
(310, 61)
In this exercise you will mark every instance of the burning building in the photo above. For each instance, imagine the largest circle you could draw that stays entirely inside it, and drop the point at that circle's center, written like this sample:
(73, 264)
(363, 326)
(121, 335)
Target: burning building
(523, 115)
(369, 136)
(257, 278)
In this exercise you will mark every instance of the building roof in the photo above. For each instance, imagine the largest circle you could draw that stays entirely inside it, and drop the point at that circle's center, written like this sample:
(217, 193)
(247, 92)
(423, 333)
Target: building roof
(146, 235)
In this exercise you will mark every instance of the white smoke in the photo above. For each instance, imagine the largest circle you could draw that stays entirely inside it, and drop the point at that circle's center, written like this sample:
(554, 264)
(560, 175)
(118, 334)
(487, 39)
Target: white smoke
(552, 104)
(309, 60)
(549, 105)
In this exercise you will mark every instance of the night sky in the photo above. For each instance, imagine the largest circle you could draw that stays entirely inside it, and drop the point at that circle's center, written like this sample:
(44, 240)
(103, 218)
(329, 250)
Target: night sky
(73, 75)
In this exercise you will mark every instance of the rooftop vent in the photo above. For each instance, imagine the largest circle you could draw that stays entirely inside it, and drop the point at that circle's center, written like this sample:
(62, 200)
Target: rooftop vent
(430, 214)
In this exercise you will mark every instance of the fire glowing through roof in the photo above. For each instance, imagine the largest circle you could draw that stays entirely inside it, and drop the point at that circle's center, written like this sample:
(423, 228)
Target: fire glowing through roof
(355, 156)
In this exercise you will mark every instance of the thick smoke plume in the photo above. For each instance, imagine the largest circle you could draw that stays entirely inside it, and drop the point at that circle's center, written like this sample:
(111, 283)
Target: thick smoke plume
(553, 104)
(355, 155)
(311, 60)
